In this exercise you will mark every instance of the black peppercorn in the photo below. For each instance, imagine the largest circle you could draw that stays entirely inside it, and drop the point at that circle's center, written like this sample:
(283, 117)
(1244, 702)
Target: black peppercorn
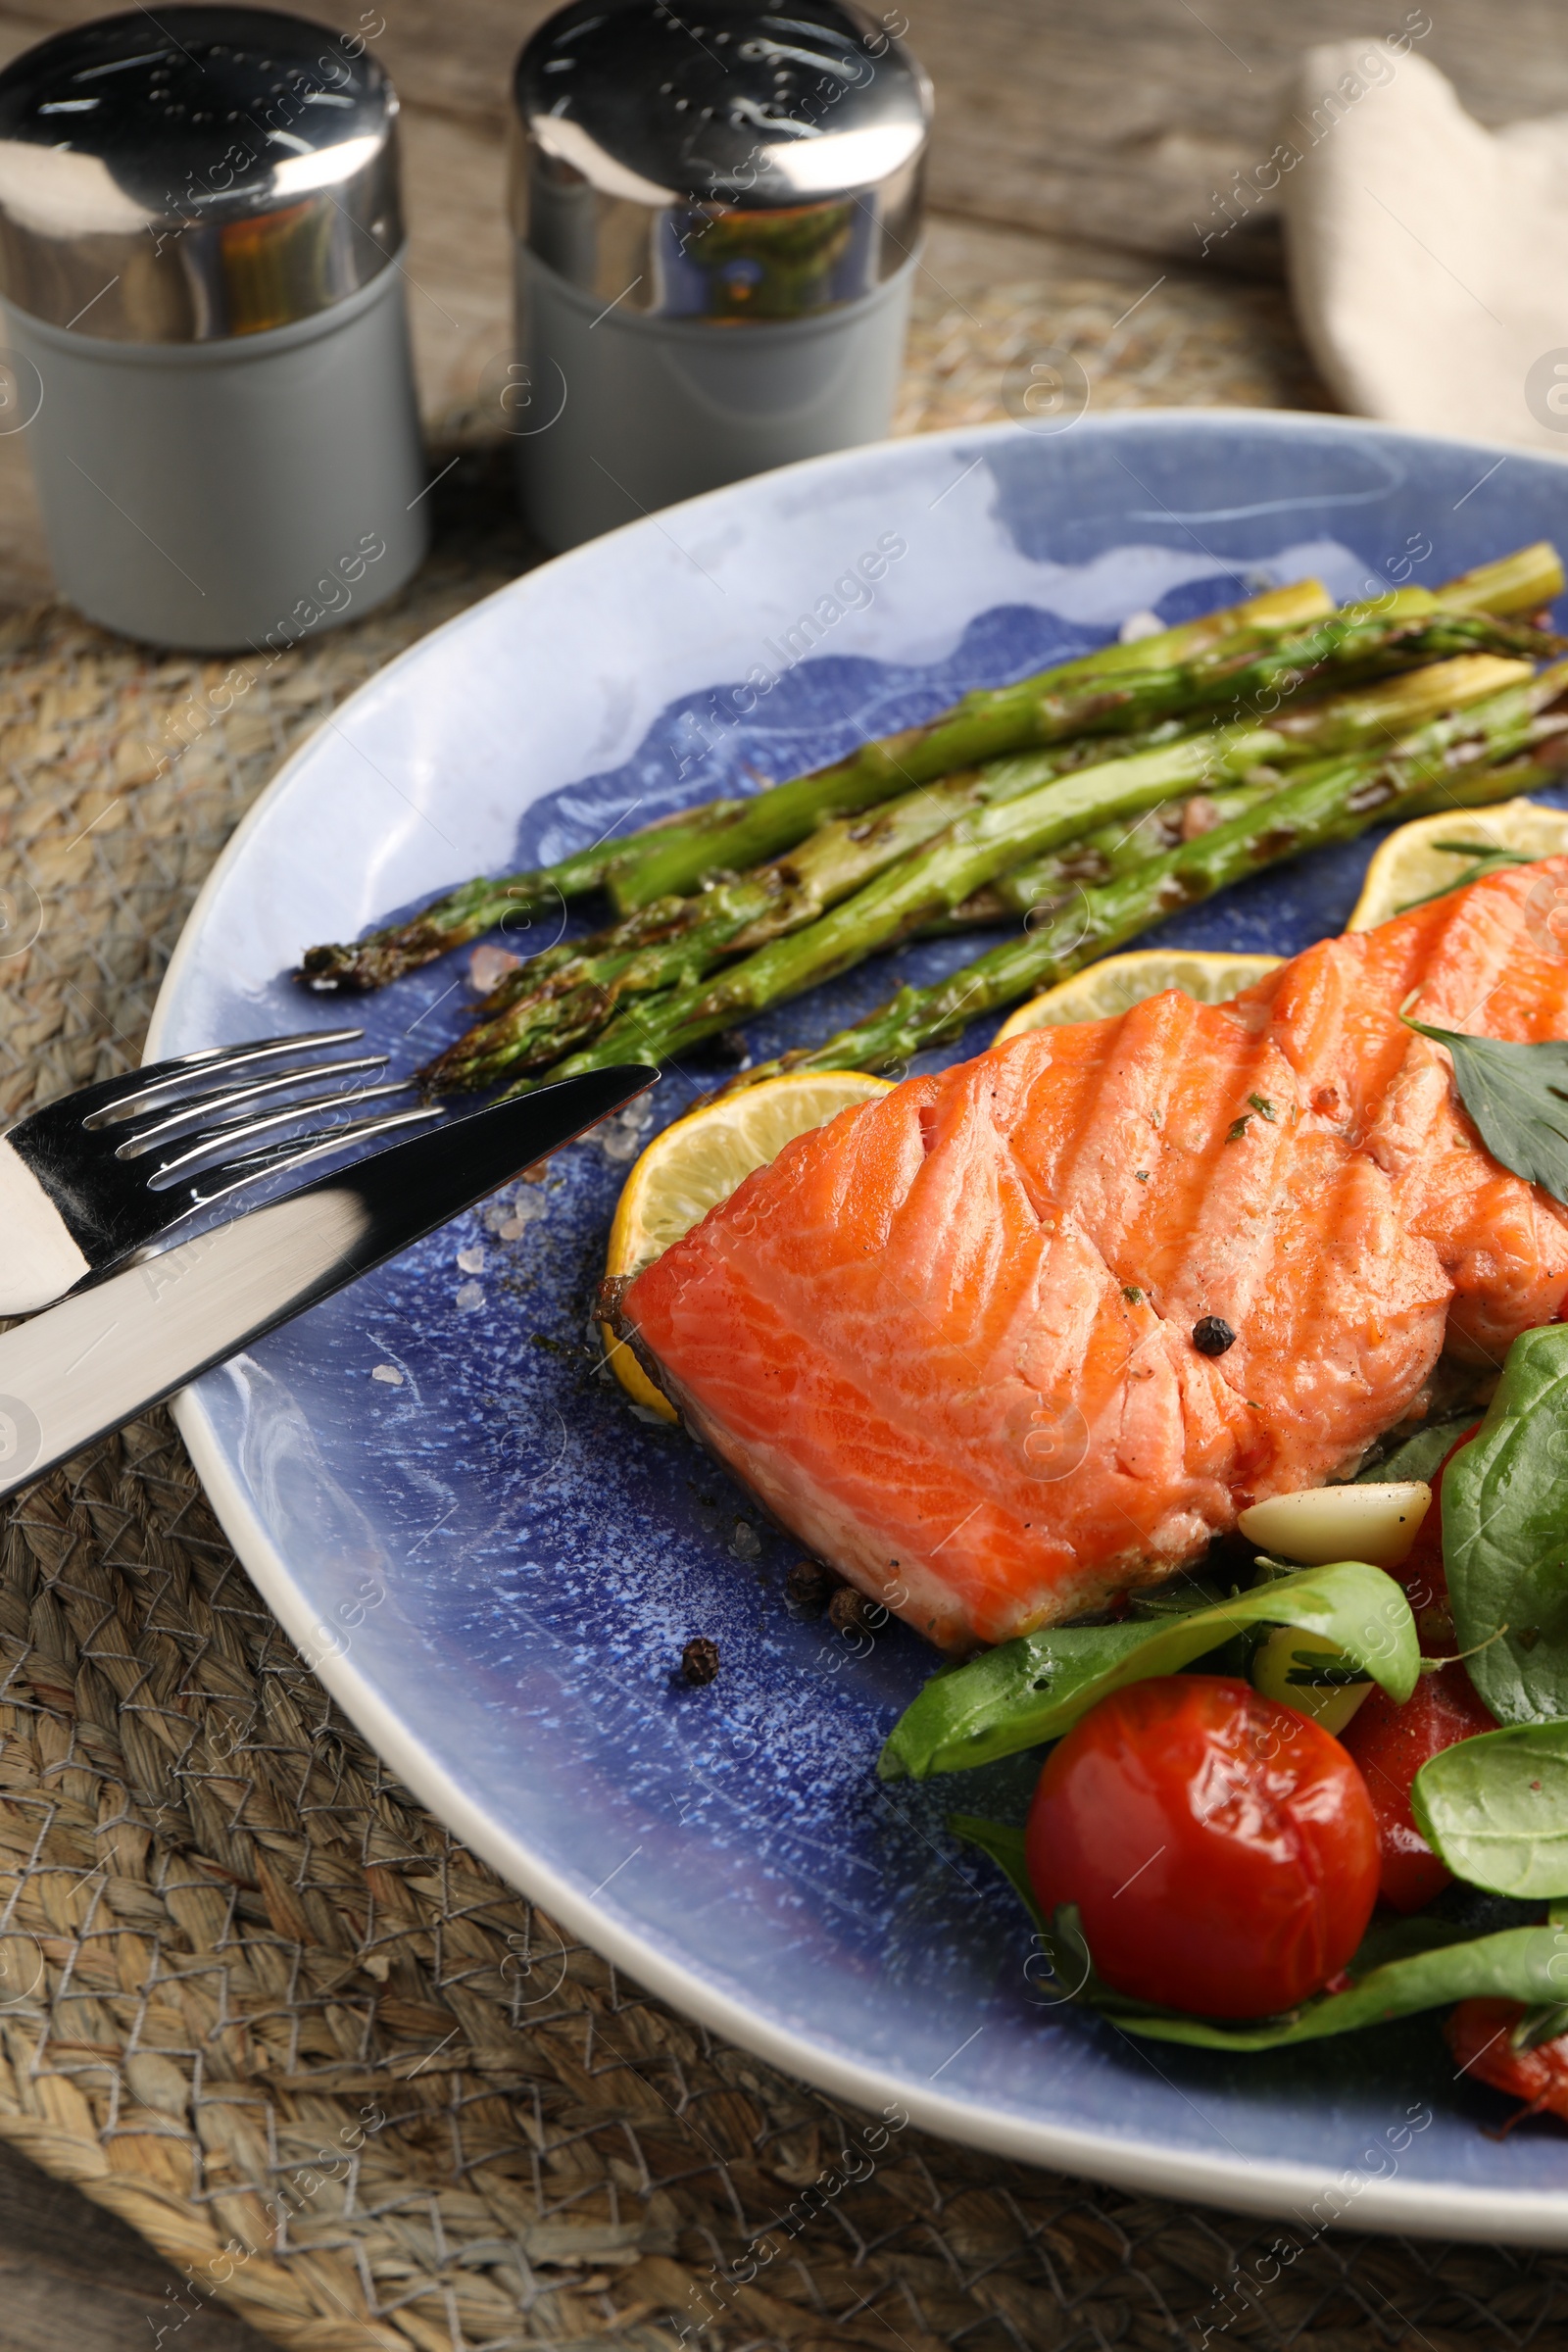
(810, 1587)
(1213, 1335)
(853, 1613)
(699, 1660)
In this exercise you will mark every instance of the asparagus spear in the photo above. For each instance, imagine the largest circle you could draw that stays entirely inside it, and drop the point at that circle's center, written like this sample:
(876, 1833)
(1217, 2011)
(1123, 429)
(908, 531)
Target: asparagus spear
(565, 996)
(942, 876)
(1505, 749)
(1100, 695)
(696, 842)
(1524, 582)
(1383, 713)
(1037, 889)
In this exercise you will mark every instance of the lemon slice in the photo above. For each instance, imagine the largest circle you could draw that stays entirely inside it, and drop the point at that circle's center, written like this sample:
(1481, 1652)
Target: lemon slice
(1414, 863)
(1118, 982)
(697, 1163)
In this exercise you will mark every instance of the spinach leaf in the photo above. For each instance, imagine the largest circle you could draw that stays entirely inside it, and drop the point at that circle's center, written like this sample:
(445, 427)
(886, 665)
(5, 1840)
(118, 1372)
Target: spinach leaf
(1513, 1966)
(1518, 1098)
(1419, 1456)
(1060, 1955)
(1414, 1964)
(1494, 1809)
(1505, 1536)
(1037, 1686)
(1179, 1598)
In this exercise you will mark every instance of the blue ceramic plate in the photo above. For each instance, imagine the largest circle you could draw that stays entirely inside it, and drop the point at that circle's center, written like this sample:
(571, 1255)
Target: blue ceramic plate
(496, 1563)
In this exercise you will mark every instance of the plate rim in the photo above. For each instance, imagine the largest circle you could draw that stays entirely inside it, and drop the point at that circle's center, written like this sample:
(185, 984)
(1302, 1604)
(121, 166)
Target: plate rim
(1264, 2188)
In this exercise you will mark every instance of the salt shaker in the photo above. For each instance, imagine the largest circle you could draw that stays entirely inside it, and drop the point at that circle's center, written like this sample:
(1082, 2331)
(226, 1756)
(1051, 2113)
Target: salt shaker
(717, 220)
(199, 239)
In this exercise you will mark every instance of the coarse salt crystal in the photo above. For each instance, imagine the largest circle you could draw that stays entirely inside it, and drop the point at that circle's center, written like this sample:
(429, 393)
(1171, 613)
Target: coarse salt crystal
(470, 1296)
(389, 1373)
(472, 1259)
(487, 965)
(1139, 625)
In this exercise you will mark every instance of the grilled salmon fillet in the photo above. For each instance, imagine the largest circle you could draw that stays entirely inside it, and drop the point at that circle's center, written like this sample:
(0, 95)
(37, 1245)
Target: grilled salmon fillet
(949, 1339)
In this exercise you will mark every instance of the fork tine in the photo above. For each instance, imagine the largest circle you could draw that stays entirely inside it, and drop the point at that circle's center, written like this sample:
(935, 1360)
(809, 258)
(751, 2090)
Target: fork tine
(294, 1152)
(140, 1088)
(143, 1133)
(224, 1132)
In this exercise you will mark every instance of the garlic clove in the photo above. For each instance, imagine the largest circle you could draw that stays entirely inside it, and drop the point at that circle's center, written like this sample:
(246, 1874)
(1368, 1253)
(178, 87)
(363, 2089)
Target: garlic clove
(1321, 1524)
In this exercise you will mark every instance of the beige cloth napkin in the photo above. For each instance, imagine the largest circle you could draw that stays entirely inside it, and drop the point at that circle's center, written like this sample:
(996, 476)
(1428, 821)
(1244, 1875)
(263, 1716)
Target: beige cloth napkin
(1428, 258)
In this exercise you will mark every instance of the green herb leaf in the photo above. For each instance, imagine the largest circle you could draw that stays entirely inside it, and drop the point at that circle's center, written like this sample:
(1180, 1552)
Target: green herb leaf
(1062, 1951)
(1179, 1598)
(1483, 861)
(1037, 1686)
(1419, 1456)
(1237, 1129)
(1505, 1536)
(1515, 1965)
(1518, 1098)
(1539, 2024)
(1264, 1108)
(1414, 1964)
(1494, 1809)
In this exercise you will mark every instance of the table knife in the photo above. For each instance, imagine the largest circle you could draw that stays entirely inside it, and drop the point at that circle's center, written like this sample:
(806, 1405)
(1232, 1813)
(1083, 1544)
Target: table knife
(113, 1348)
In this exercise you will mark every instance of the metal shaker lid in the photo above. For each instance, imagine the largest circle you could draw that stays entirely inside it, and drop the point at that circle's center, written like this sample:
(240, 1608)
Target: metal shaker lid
(196, 175)
(730, 163)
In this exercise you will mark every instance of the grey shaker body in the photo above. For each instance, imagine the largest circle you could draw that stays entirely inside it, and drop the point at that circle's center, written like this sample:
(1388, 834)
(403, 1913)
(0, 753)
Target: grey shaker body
(215, 496)
(638, 413)
(718, 228)
(201, 282)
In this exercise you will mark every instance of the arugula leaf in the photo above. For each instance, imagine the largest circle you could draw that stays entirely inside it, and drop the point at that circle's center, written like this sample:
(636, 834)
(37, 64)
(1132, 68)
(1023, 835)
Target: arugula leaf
(1037, 1686)
(1419, 1456)
(1414, 1964)
(1505, 1536)
(1494, 1809)
(1518, 1098)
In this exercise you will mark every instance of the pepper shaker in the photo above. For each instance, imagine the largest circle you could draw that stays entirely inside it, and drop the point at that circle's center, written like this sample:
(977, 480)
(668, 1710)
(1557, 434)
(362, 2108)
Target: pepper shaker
(199, 238)
(717, 221)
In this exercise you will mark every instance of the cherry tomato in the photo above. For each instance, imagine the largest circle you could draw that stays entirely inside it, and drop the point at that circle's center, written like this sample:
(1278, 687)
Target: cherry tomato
(1220, 1847)
(1477, 2034)
(1422, 1573)
(1390, 1743)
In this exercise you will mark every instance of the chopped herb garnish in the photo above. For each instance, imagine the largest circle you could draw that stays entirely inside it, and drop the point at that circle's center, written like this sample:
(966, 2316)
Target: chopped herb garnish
(1239, 1129)
(1132, 1294)
(1264, 1108)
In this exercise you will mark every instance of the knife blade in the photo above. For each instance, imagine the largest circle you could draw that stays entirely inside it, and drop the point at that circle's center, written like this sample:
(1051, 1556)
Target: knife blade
(109, 1351)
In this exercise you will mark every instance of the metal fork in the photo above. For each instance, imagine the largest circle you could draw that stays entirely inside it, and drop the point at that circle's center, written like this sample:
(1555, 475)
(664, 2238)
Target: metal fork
(89, 1179)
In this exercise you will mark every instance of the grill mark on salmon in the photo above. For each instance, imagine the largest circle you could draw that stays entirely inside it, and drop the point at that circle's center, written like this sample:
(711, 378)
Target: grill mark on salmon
(947, 1338)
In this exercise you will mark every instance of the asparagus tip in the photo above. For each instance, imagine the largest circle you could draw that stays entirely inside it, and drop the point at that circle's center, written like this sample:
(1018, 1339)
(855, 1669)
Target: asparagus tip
(333, 970)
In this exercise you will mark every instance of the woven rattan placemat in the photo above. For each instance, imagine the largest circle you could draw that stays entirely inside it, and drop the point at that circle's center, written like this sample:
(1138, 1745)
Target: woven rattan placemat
(258, 2002)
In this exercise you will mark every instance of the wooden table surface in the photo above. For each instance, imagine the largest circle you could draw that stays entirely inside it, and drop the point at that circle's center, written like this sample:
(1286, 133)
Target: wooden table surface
(1078, 143)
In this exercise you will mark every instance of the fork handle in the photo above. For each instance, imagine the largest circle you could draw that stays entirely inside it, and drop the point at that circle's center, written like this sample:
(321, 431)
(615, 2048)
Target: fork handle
(39, 1259)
